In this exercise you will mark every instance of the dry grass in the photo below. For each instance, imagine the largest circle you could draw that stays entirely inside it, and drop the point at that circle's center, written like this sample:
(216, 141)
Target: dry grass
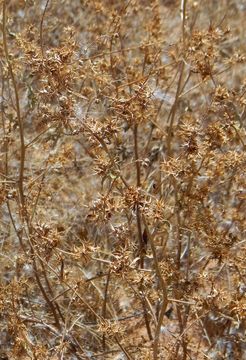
(122, 180)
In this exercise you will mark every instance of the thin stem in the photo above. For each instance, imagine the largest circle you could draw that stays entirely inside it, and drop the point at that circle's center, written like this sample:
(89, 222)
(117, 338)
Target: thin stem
(18, 112)
(174, 110)
(41, 28)
(138, 169)
(104, 307)
(163, 286)
(139, 228)
(183, 16)
(138, 183)
(128, 356)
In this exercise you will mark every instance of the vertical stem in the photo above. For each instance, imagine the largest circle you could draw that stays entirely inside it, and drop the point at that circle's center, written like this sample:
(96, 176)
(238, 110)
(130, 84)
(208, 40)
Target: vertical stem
(183, 15)
(136, 155)
(18, 113)
(104, 308)
(41, 28)
(163, 286)
(139, 227)
(138, 183)
(174, 110)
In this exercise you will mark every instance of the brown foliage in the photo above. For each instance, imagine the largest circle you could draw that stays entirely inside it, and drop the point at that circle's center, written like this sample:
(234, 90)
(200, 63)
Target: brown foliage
(122, 185)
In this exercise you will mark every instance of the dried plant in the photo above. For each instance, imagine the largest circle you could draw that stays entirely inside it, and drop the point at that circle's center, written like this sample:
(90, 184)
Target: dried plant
(122, 185)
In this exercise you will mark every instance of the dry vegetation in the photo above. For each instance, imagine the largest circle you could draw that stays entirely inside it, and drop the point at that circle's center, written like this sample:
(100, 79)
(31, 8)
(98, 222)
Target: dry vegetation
(122, 179)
